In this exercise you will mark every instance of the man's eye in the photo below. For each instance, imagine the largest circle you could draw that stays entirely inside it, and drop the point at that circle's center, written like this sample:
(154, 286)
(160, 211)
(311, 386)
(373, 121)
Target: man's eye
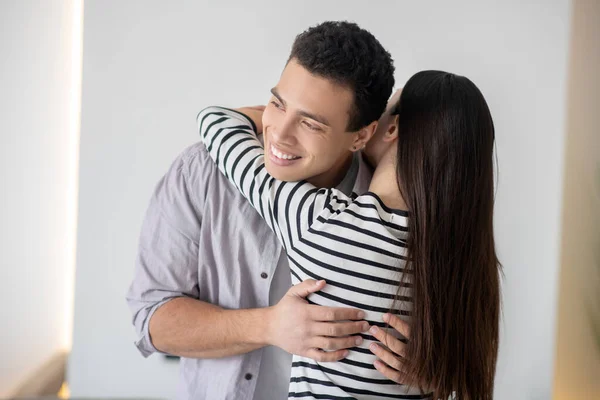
(311, 126)
(277, 105)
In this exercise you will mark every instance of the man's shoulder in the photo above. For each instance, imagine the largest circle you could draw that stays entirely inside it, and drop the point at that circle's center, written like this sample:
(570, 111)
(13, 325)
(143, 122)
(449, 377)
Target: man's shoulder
(203, 180)
(196, 166)
(193, 156)
(194, 190)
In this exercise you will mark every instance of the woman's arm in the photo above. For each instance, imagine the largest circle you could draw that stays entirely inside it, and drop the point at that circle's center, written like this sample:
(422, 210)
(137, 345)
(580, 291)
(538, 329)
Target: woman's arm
(255, 114)
(230, 138)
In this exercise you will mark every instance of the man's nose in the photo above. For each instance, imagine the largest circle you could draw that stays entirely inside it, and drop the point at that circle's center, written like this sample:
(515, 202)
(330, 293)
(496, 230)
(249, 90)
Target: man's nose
(285, 131)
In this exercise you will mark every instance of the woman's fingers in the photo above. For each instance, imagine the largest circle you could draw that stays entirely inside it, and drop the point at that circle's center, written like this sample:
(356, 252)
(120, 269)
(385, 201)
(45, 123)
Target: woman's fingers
(394, 344)
(390, 373)
(399, 325)
(390, 359)
(386, 356)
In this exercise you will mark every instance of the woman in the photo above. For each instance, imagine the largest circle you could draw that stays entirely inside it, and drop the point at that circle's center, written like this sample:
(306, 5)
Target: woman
(419, 243)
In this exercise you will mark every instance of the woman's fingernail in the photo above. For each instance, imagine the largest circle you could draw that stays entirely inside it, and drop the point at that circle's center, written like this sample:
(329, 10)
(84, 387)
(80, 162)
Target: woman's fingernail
(374, 330)
(373, 347)
(358, 340)
(386, 317)
(361, 314)
(377, 364)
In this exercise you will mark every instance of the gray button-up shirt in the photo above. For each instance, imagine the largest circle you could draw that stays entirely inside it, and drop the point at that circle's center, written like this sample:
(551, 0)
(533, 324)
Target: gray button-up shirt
(201, 239)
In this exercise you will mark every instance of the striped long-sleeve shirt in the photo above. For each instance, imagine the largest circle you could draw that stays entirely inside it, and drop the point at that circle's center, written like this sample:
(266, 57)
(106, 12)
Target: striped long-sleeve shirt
(356, 244)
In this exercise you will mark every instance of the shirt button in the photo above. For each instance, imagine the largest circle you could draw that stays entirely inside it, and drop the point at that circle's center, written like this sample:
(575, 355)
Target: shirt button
(248, 377)
(264, 275)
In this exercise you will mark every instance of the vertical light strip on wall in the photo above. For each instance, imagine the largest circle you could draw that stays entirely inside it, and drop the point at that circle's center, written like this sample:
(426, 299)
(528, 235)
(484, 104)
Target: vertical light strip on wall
(73, 168)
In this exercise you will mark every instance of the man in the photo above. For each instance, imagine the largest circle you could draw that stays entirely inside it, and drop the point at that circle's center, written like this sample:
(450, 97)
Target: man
(211, 281)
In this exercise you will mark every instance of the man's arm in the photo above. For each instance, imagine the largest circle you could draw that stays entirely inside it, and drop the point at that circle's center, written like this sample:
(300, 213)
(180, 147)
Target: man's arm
(163, 296)
(164, 293)
(195, 329)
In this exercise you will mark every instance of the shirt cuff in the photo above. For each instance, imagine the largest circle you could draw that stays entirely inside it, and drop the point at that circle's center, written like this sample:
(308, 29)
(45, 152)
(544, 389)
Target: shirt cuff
(144, 344)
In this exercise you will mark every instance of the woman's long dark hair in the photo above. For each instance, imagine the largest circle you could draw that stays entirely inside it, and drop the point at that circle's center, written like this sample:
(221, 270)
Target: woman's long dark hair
(445, 173)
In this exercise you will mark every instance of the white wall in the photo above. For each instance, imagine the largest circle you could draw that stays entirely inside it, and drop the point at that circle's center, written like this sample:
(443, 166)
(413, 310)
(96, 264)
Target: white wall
(149, 68)
(577, 363)
(36, 178)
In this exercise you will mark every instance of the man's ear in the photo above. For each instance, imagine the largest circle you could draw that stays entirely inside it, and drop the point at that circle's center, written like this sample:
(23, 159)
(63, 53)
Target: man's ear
(363, 136)
(391, 132)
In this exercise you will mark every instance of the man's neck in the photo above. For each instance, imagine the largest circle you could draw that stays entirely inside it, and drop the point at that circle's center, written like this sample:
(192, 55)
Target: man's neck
(334, 175)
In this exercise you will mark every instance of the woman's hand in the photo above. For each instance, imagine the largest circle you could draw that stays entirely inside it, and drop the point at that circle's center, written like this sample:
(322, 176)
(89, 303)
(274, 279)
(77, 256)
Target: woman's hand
(255, 113)
(390, 361)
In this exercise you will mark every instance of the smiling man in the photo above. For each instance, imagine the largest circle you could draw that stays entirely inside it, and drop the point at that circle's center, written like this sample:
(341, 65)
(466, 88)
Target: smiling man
(211, 282)
(306, 133)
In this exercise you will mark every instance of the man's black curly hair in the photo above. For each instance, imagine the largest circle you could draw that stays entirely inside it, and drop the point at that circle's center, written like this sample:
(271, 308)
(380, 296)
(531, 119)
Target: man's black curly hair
(353, 57)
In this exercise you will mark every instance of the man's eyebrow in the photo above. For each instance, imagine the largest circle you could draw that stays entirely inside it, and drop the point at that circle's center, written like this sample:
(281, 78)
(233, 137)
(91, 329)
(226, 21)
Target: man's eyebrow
(275, 93)
(319, 118)
(316, 117)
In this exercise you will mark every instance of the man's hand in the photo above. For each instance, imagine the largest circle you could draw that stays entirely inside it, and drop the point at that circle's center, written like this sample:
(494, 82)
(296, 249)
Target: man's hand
(317, 332)
(390, 363)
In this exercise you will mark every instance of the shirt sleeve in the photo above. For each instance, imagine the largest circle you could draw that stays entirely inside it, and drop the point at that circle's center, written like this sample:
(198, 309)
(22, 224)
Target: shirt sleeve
(289, 208)
(166, 265)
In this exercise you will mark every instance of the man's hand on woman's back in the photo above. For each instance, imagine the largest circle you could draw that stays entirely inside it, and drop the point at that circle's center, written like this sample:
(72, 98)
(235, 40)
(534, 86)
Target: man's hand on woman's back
(317, 332)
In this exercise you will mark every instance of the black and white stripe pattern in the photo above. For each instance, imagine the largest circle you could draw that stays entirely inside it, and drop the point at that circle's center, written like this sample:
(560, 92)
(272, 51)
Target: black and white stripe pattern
(356, 245)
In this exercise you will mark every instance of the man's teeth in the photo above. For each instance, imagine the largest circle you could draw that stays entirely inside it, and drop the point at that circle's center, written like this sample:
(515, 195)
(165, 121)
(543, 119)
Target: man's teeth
(281, 155)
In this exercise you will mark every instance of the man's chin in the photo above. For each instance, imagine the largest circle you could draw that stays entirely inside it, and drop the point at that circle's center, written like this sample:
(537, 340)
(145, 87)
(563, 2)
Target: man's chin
(280, 173)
